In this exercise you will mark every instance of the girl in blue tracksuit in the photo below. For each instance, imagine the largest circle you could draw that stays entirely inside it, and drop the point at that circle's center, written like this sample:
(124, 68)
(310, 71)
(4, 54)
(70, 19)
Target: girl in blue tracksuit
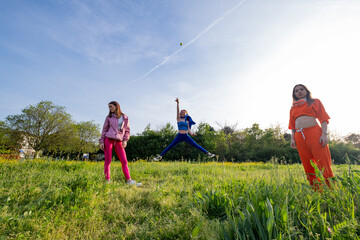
(184, 123)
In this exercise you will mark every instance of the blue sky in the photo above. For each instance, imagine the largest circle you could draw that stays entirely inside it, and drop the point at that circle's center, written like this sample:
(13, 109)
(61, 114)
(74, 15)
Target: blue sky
(238, 63)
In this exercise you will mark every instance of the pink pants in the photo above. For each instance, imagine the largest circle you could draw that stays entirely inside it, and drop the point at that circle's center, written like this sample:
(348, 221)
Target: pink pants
(120, 151)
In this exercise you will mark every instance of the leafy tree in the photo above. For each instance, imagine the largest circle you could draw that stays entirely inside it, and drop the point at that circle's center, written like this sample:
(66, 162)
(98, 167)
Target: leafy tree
(78, 138)
(227, 129)
(10, 141)
(250, 144)
(150, 142)
(148, 131)
(168, 129)
(354, 139)
(223, 144)
(340, 151)
(206, 137)
(3, 137)
(41, 125)
(86, 137)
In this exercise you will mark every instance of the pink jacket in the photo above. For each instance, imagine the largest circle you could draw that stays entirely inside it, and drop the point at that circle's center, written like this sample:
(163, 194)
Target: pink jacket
(111, 129)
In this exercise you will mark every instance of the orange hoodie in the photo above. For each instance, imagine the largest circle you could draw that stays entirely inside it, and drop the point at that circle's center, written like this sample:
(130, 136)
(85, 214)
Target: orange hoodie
(316, 109)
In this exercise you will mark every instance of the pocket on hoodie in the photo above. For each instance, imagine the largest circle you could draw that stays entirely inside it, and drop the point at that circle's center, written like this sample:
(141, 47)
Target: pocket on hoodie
(118, 136)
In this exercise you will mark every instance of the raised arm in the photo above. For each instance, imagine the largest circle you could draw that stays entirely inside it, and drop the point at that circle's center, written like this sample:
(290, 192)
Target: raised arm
(177, 109)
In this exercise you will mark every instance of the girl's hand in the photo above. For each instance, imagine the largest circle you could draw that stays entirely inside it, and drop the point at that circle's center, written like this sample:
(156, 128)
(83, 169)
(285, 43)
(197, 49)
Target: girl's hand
(193, 134)
(293, 143)
(124, 144)
(102, 146)
(323, 140)
(177, 100)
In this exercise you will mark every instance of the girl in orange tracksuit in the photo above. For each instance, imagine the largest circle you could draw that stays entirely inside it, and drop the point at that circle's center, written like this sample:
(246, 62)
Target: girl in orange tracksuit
(307, 136)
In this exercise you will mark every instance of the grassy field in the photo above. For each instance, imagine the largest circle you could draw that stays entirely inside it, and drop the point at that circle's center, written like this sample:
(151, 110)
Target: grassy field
(42, 199)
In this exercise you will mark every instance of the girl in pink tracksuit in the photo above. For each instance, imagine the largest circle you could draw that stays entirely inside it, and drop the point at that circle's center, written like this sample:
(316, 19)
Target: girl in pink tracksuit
(115, 134)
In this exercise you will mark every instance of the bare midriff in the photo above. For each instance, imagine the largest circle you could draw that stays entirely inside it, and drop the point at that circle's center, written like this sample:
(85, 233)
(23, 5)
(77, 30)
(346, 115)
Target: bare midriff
(305, 122)
(183, 131)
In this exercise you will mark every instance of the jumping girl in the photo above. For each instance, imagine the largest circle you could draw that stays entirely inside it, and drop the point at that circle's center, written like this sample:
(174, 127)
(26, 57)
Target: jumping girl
(184, 123)
(115, 134)
(307, 136)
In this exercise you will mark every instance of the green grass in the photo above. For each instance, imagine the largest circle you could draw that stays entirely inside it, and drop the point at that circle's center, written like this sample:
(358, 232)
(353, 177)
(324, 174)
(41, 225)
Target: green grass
(70, 200)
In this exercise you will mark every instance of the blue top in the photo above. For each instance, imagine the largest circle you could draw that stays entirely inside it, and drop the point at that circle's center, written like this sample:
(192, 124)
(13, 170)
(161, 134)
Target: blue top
(183, 125)
(189, 119)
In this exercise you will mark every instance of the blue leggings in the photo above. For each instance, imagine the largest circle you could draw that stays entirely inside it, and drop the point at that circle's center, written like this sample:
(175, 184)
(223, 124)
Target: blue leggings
(183, 137)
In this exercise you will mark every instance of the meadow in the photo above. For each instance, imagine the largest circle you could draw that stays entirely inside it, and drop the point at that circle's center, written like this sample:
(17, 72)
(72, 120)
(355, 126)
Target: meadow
(46, 199)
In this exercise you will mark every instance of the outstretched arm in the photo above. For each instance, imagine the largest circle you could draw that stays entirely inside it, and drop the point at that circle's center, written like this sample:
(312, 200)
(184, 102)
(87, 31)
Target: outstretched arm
(177, 109)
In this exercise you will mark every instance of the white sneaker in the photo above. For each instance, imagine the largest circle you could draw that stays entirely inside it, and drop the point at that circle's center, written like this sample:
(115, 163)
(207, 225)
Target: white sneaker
(130, 182)
(157, 158)
(209, 154)
(108, 181)
(133, 182)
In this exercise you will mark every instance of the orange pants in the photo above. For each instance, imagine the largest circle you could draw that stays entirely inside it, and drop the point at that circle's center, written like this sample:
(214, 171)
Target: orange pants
(310, 149)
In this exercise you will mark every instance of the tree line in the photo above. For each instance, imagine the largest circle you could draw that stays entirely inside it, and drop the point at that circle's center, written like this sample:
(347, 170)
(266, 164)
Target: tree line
(48, 129)
(251, 144)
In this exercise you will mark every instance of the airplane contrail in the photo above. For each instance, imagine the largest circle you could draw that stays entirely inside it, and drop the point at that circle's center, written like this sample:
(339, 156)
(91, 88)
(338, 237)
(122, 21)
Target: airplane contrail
(167, 59)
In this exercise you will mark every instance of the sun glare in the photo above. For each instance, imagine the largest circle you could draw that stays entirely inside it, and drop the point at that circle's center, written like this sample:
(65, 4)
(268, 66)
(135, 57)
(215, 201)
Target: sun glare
(323, 53)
